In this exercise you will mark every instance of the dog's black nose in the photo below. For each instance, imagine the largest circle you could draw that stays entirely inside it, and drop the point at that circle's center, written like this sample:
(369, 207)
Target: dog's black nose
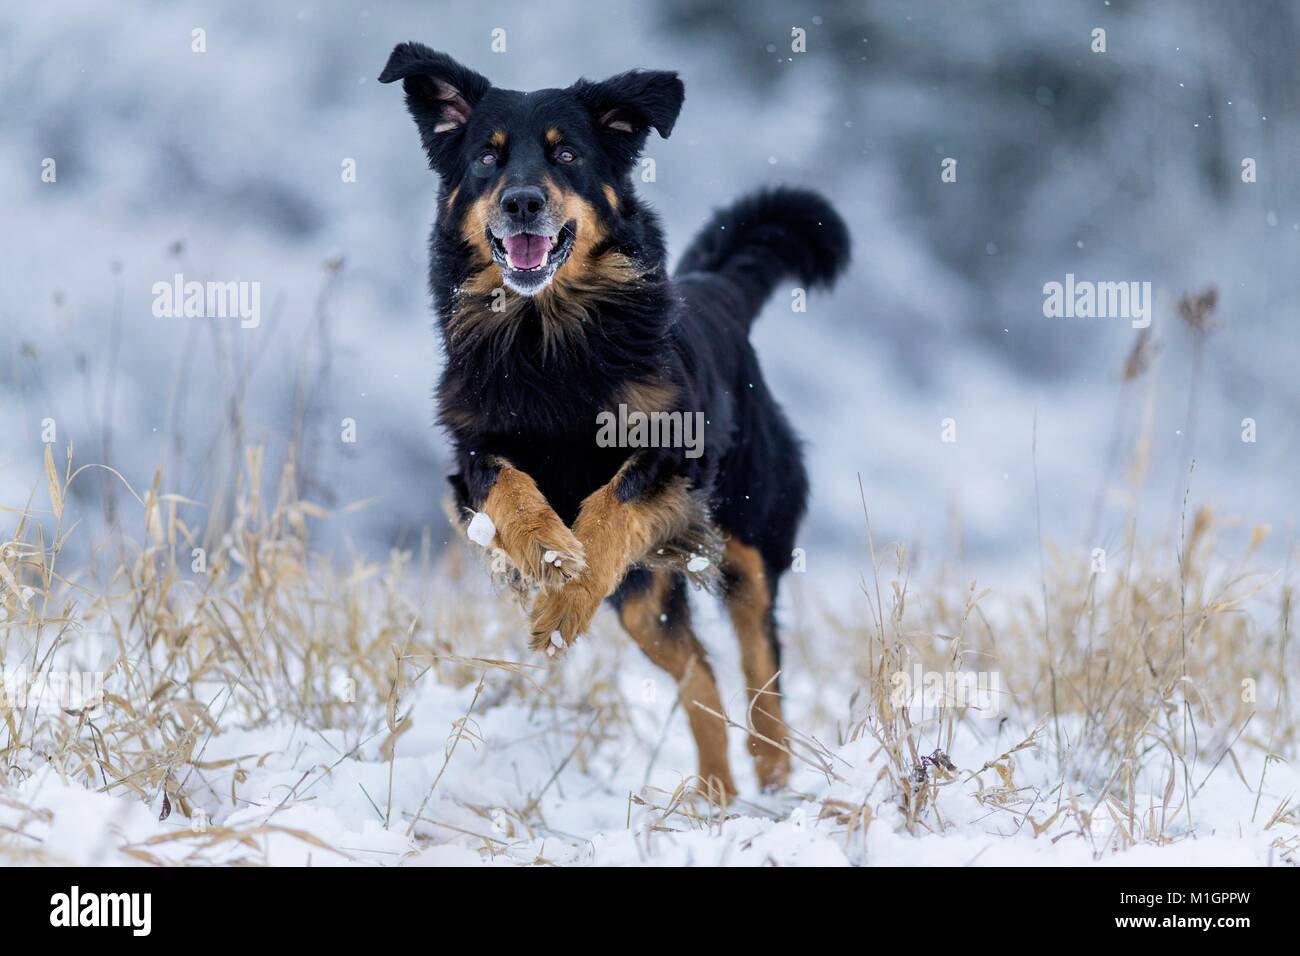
(523, 204)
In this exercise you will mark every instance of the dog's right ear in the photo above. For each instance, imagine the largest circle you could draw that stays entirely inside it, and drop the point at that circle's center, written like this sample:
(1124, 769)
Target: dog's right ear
(440, 93)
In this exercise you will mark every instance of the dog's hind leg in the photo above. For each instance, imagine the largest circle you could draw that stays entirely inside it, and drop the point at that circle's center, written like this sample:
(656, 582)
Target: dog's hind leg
(653, 609)
(750, 602)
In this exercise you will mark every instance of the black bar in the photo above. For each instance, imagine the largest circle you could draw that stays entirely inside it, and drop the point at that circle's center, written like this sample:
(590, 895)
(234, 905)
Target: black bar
(333, 905)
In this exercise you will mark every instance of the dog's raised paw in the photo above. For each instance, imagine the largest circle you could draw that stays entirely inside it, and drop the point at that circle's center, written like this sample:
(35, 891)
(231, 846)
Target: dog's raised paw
(560, 616)
(557, 558)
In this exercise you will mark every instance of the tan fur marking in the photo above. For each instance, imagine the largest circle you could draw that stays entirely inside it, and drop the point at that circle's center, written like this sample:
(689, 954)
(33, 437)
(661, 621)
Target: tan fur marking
(485, 282)
(675, 648)
(451, 198)
(498, 138)
(528, 529)
(749, 602)
(591, 232)
(474, 228)
(614, 536)
(611, 197)
(553, 136)
(648, 396)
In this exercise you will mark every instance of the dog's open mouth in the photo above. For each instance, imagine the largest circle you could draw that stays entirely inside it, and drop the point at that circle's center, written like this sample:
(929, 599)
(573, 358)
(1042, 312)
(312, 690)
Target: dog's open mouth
(529, 260)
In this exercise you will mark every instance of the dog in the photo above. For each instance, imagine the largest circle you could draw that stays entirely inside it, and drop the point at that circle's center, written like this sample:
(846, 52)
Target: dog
(556, 307)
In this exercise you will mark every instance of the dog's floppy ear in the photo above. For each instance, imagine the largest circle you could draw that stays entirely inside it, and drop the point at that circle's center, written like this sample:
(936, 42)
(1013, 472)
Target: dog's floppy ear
(625, 107)
(440, 93)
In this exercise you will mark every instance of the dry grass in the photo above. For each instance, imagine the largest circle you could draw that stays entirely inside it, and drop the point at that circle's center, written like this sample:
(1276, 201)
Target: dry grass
(1155, 679)
(1146, 681)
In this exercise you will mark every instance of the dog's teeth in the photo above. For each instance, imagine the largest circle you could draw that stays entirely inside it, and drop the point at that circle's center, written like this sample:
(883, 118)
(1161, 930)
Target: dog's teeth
(556, 639)
(555, 241)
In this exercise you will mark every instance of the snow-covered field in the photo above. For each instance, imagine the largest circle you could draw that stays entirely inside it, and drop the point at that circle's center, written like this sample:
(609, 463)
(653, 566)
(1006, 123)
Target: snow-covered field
(314, 798)
(274, 710)
(535, 784)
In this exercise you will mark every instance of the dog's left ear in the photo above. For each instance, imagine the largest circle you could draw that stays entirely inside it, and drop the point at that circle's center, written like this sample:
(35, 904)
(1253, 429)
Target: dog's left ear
(626, 107)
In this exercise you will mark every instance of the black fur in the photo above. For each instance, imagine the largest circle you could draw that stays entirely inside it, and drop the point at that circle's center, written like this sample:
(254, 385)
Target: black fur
(511, 393)
(765, 238)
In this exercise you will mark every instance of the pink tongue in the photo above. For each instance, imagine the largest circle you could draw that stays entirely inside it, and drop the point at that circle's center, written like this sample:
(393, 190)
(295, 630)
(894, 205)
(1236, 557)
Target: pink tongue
(526, 250)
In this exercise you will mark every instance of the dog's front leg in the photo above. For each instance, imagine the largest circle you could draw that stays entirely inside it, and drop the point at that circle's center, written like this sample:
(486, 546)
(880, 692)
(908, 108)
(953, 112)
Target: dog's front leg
(618, 525)
(527, 529)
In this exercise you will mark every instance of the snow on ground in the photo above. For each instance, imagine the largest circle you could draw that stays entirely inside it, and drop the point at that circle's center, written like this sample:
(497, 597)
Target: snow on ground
(568, 783)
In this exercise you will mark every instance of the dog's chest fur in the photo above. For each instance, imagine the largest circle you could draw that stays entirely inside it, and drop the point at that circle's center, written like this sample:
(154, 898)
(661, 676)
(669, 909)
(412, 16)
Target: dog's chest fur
(528, 375)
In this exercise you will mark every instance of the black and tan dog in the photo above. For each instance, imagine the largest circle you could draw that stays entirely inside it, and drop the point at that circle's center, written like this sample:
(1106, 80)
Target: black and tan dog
(555, 304)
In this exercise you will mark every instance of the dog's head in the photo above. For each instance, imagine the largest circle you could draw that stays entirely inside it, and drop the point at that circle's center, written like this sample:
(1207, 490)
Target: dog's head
(534, 183)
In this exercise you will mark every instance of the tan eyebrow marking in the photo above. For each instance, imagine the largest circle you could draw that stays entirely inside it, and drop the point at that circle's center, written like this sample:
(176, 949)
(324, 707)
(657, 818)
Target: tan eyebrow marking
(611, 197)
(498, 138)
(553, 136)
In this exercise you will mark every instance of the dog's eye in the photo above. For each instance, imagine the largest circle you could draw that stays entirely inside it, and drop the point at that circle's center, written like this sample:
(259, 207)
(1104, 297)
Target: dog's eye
(488, 159)
(566, 155)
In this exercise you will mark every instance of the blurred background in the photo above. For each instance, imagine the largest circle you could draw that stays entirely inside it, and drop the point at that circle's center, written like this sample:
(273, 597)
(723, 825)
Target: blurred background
(1123, 165)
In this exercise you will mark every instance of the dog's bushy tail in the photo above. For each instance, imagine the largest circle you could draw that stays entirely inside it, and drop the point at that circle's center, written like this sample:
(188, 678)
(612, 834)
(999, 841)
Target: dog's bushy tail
(767, 237)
